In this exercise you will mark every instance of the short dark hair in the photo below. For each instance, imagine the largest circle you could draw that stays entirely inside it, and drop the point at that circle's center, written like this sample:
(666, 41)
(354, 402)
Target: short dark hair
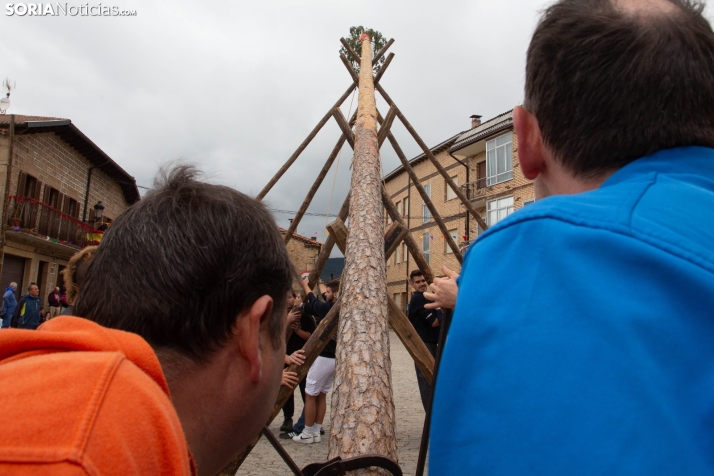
(334, 285)
(414, 274)
(609, 86)
(178, 266)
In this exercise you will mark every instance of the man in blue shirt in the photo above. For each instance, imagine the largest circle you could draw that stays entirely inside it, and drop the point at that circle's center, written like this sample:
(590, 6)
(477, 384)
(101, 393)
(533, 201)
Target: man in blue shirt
(9, 303)
(582, 337)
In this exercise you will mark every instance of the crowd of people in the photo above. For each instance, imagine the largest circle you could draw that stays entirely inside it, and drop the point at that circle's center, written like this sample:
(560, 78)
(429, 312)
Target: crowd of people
(584, 348)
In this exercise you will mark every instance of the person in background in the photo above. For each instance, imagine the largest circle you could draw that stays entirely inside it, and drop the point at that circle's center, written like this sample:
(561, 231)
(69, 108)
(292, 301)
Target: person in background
(54, 299)
(9, 303)
(28, 311)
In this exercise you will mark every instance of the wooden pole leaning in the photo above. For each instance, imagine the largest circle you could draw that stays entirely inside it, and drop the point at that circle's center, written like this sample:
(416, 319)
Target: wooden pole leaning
(304, 144)
(365, 425)
(408, 238)
(464, 200)
(400, 323)
(315, 186)
(427, 201)
(326, 249)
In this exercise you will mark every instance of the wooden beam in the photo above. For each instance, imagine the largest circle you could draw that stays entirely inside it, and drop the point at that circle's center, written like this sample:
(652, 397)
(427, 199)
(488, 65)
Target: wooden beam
(344, 126)
(381, 52)
(408, 238)
(464, 200)
(315, 186)
(400, 323)
(314, 345)
(304, 144)
(427, 201)
(393, 238)
(326, 249)
(353, 54)
(386, 125)
(383, 68)
(350, 70)
(313, 190)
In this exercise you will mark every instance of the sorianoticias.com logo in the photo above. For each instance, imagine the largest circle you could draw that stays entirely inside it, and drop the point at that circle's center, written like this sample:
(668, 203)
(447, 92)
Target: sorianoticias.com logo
(64, 9)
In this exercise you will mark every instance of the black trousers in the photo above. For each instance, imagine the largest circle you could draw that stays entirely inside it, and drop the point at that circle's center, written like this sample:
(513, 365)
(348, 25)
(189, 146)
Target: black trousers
(289, 407)
(424, 387)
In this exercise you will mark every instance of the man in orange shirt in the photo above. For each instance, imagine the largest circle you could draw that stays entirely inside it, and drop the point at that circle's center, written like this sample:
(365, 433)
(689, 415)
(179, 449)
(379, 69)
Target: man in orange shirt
(180, 345)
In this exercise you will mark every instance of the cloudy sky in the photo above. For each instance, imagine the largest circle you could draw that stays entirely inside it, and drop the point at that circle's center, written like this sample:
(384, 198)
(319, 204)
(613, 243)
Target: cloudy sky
(236, 86)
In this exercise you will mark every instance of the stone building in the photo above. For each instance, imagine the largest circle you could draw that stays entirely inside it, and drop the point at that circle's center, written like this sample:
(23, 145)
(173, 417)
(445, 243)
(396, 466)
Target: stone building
(303, 251)
(61, 188)
(483, 161)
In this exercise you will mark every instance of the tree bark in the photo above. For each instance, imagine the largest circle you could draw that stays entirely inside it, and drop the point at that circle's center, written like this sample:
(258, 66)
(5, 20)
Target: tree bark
(362, 401)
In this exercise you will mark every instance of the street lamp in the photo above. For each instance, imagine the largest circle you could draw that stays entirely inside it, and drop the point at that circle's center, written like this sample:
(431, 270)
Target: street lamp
(98, 212)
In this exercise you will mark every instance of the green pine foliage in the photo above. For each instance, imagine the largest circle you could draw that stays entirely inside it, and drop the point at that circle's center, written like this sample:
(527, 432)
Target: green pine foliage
(378, 42)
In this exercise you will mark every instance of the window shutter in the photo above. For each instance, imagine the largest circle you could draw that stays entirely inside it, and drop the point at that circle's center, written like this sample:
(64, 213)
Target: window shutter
(21, 181)
(38, 189)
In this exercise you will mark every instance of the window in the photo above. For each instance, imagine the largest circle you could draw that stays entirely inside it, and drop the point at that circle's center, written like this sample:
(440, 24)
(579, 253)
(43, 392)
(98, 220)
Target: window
(454, 236)
(399, 208)
(499, 160)
(426, 246)
(398, 299)
(405, 206)
(398, 255)
(405, 252)
(450, 194)
(425, 214)
(499, 209)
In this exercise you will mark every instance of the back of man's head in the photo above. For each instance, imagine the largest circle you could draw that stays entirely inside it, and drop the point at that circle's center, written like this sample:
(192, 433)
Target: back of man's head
(610, 82)
(180, 265)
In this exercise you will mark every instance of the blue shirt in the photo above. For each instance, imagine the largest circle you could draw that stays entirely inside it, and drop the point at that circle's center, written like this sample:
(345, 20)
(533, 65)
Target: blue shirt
(583, 338)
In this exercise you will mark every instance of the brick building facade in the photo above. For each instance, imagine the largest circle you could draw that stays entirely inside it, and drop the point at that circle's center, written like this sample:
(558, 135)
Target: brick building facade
(303, 251)
(487, 171)
(58, 178)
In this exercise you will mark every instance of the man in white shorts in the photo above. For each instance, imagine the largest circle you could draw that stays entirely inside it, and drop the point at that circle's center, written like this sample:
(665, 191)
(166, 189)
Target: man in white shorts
(322, 372)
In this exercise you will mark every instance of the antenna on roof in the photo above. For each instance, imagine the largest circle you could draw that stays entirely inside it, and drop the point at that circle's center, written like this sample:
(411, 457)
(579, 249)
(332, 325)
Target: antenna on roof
(5, 102)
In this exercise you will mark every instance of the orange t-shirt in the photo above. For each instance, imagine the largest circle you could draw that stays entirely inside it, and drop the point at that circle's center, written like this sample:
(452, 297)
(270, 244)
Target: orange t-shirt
(78, 398)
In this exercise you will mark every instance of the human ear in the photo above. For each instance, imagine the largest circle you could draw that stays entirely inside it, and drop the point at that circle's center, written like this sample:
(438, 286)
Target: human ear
(248, 325)
(530, 143)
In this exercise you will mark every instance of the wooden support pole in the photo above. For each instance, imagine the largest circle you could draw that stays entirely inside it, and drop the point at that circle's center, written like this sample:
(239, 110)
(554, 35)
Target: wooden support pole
(386, 125)
(381, 52)
(313, 190)
(427, 201)
(314, 345)
(384, 67)
(350, 70)
(464, 200)
(315, 186)
(304, 144)
(344, 126)
(364, 425)
(408, 239)
(400, 323)
(326, 249)
(353, 54)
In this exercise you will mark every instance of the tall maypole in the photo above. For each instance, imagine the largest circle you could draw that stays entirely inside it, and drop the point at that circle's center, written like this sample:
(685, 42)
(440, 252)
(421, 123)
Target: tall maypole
(362, 402)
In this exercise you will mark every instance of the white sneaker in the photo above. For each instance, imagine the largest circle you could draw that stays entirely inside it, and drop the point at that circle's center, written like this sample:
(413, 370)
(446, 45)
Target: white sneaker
(316, 438)
(304, 438)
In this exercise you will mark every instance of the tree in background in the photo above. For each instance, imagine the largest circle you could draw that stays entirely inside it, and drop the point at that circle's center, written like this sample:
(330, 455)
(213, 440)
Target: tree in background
(377, 40)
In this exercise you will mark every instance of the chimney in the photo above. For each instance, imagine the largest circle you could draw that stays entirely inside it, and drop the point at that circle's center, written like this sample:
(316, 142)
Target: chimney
(313, 238)
(475, 121)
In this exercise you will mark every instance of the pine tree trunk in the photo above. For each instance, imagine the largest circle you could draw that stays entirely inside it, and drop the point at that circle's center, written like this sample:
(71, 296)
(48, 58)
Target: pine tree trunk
(362, 402)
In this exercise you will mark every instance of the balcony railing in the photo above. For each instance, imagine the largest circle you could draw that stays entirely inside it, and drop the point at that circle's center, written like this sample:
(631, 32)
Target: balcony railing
(33, 216)
(470, 188)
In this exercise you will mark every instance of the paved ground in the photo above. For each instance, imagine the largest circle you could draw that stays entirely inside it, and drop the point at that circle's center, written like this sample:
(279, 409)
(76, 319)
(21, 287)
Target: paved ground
(264, 460)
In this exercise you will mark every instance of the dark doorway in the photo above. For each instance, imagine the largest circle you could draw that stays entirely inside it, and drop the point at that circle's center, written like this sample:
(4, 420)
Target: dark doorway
(13, 269)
